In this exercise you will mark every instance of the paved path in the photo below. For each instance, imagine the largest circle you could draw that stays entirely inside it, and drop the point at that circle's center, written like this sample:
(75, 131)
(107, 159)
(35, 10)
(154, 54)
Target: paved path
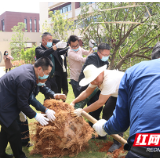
(2, 72)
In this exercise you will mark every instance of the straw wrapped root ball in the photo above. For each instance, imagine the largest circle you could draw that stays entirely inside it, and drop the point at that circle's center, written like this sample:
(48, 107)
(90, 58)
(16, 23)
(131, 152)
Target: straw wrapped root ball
(67, 135)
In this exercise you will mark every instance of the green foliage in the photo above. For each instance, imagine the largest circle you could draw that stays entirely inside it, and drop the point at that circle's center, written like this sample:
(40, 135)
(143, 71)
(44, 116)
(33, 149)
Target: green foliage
(28, 55)
(59, 26)
(18, 41)
(130, 42)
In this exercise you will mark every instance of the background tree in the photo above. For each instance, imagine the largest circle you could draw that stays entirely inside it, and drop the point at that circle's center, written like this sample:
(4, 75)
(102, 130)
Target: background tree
(18, 41)
(60, 25)
(28, 55)
(132, 29)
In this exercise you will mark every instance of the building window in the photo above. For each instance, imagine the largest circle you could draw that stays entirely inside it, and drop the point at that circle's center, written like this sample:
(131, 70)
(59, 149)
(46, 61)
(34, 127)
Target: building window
(86, 3)
(30, 25)
(64, 9)
(35, 25)
(90, 2)
(25, 21)
(3, 25)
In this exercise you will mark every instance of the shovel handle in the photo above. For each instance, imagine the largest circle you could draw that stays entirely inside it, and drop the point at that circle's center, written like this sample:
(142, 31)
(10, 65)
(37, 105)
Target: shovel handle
(93, 120)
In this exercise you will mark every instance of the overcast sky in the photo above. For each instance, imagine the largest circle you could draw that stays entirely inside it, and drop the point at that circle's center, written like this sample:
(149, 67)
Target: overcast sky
(30, 7)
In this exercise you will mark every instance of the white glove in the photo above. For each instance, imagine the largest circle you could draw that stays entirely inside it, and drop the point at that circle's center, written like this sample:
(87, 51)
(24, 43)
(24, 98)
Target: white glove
(78, 112)
(98, 127)
(22, 117)
(61, 44)
(95, 48)
(91, 43)
(60, 96)
(41, 119)
(50, 114)
(72, 104)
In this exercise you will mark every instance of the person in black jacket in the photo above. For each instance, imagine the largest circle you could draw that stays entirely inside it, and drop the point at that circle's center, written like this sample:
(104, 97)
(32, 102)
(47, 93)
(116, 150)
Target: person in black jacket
(15, 89)
(39, 107)
(61, 69)
(95, 59)
(46, 49)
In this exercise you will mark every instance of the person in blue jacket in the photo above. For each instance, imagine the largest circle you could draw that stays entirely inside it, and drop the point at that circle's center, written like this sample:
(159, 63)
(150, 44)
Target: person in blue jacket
(15, 89)
(138, 105)
(41, 87)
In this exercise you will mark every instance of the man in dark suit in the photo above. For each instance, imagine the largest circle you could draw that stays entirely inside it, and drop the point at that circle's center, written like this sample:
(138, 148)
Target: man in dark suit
(61, 68)
(41, 87)
(46, 49)
(15, 90)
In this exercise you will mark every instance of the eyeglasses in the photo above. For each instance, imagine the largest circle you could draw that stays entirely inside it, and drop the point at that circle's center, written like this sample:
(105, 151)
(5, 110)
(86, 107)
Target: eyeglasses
(103, 54)
(73, 47)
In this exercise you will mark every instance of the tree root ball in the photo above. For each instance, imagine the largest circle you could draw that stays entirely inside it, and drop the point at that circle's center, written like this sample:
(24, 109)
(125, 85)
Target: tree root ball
(67, 135)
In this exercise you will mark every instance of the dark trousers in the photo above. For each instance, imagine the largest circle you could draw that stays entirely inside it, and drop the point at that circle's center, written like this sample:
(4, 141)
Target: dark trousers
(62, 84)
(75, 86)
(95, 114)
(24, 132)
(12, 134)
(108, 111)
(131, 154)
(51, 83)
(7, 70)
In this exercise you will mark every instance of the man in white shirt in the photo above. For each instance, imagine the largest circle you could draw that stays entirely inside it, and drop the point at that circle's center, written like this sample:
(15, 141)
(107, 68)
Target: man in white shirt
(108, 82)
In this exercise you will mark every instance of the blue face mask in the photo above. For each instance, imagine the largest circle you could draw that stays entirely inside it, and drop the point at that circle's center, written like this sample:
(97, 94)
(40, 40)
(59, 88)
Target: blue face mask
(76, 49)
(41, 84)
(49, 44)
(6, 53)
(105, 58)
(44, 77)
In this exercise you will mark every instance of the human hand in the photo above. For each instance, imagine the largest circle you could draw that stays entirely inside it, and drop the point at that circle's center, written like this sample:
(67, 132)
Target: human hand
(98, 127)
(60, 96)
(95, 48)
(78, 112)
(91, 43)
(41, 119)
(50, 114)
(61, 44)
(22, 117)
(72, 104)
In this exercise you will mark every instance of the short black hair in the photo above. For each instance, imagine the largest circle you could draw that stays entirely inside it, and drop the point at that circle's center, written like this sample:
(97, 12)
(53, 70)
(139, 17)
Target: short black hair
(72, 38)
(43, 62)
(5, 52)
(103, 46)
(156, 51)
(46, 34)
(55, 41)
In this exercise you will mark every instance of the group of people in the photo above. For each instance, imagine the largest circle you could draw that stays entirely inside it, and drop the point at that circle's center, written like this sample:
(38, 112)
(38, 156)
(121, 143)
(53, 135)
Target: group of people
(130, 99)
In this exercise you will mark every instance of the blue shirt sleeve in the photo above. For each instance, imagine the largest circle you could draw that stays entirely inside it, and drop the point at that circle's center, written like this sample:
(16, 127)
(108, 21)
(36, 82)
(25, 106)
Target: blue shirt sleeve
(119, 122)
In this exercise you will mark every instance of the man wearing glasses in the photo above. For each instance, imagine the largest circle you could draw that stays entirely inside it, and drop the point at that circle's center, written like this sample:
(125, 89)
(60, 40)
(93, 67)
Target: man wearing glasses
(76, 61)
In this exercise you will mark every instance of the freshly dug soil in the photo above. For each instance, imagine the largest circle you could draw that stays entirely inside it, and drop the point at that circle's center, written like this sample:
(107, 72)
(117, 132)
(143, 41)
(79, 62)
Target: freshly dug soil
(67, 135)
(118, 153)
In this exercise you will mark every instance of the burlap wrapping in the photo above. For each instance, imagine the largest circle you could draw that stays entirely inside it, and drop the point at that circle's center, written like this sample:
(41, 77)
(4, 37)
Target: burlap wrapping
(67, 135)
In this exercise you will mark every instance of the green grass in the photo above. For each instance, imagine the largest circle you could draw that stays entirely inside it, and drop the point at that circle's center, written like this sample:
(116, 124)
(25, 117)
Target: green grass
(91, 152)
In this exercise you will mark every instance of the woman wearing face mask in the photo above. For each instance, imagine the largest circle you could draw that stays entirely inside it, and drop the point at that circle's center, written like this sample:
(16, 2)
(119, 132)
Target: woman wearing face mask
(7, 60)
